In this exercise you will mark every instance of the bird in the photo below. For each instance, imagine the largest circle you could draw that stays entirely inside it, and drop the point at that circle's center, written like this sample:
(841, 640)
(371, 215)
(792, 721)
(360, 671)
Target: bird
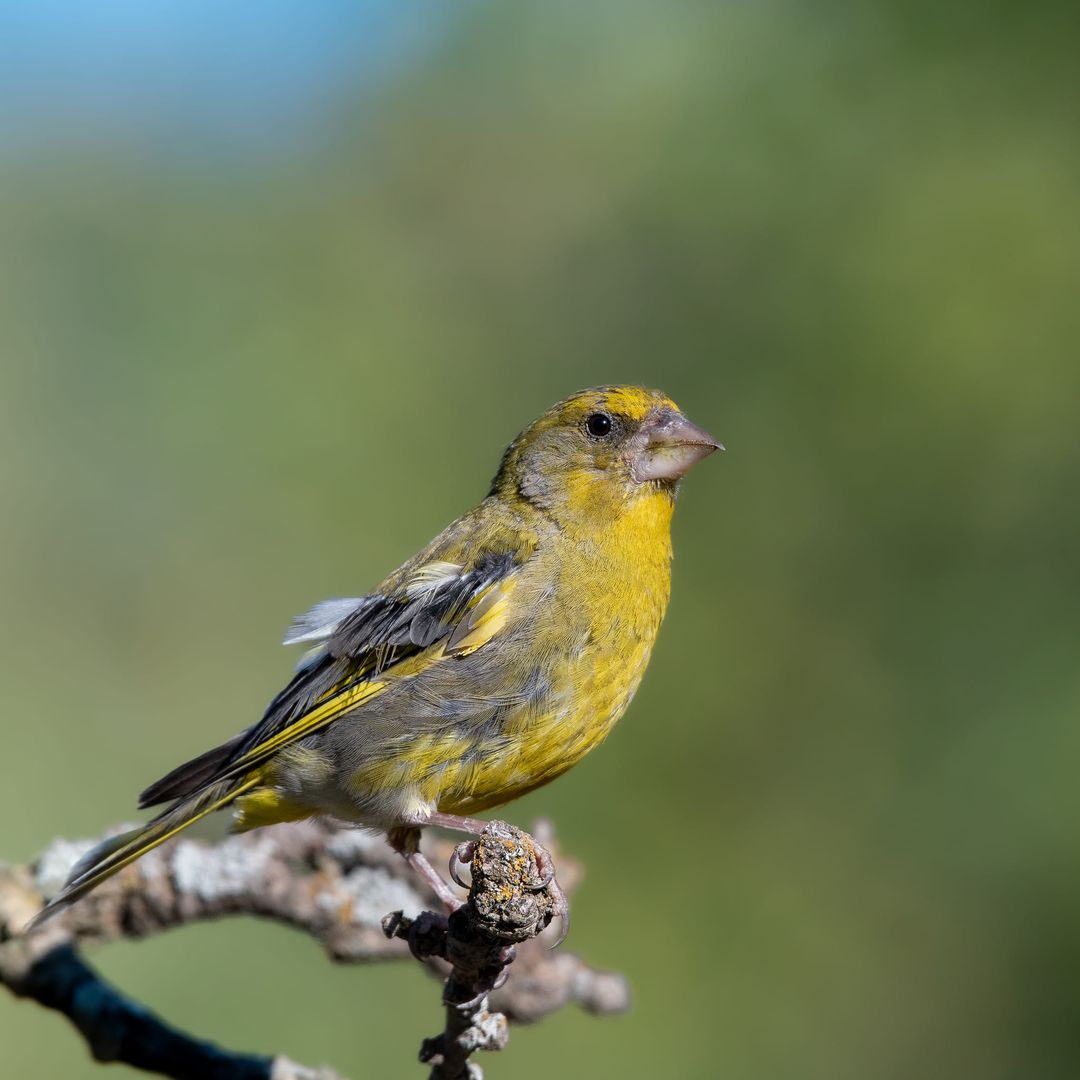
(481, 669)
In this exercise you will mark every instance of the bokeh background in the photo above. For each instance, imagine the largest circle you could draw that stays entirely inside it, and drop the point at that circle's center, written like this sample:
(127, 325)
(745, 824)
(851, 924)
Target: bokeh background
(279, 280)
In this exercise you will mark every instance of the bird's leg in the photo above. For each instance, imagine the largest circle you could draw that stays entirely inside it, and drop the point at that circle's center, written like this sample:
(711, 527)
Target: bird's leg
(474, 826)
(463, 853)
(405, 840)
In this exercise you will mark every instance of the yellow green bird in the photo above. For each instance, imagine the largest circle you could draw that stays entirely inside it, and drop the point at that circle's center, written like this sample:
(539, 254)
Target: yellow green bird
(485, 666)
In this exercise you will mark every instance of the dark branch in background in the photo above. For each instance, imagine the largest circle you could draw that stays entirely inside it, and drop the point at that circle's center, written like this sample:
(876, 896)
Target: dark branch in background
(334, 884)
(118, 1029)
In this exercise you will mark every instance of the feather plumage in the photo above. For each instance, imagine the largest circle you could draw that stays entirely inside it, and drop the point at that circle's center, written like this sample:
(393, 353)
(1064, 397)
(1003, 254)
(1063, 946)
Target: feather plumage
(485, 666)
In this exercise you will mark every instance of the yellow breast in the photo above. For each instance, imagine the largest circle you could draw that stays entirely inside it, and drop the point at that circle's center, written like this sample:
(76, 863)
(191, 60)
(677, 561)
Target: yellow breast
(594, 629)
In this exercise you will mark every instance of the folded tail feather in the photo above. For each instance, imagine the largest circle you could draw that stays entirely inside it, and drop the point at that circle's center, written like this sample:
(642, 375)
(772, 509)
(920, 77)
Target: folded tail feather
(186, 779)
(113, 854)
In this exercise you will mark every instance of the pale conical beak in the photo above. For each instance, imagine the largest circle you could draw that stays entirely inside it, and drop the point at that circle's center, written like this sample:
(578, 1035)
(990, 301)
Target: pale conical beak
(673, 446)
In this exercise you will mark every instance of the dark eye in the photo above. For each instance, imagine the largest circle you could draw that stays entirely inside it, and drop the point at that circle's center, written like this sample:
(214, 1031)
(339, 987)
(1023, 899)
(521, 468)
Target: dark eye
(598, 425)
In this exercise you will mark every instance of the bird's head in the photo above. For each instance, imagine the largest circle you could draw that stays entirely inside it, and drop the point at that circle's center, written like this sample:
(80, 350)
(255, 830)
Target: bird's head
(600, 450)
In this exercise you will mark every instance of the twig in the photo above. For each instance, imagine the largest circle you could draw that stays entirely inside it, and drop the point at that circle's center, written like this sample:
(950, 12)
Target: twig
(332, 883)
(507, 905)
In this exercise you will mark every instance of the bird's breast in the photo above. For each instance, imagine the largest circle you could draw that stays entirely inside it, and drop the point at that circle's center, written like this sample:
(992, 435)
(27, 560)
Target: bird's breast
(577, 654)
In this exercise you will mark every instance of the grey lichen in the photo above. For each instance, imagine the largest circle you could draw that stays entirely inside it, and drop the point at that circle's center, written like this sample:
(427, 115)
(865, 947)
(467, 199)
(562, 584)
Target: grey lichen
(217, 873)
(333, 884)
(54, 864)
(374, 891)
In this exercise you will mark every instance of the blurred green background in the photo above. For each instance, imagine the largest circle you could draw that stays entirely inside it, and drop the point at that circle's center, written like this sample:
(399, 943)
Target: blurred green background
(278, 282)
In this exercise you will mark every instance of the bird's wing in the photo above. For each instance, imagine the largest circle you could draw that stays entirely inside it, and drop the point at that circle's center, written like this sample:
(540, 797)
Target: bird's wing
(432, 611)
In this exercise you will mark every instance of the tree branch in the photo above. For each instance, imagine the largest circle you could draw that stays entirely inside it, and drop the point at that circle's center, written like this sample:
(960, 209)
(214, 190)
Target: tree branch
(332, 883)
(118, 1029)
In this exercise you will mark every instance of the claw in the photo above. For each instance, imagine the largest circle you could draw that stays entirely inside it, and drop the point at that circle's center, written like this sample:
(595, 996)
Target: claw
(545, 865)
(547, 871)
(560, 909)
(463, 853)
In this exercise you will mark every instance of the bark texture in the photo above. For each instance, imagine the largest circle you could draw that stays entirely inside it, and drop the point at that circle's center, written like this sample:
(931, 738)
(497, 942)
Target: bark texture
(335, 884)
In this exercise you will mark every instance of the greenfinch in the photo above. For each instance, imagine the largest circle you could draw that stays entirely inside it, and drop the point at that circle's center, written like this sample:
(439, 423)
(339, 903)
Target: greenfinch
(484, 667)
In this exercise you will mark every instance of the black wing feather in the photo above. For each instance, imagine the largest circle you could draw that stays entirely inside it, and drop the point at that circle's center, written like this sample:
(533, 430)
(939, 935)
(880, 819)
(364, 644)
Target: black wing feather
(382, 630)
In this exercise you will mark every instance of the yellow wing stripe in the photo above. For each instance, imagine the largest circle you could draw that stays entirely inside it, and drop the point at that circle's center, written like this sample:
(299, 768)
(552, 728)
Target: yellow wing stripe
(330, 709)
(485, 617)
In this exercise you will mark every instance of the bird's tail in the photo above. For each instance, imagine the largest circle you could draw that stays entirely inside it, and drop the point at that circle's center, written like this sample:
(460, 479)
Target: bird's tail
(112, 855)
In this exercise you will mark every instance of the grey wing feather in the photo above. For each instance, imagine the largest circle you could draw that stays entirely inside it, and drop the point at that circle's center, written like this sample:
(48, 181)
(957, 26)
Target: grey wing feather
(353, 637)
(323, 619)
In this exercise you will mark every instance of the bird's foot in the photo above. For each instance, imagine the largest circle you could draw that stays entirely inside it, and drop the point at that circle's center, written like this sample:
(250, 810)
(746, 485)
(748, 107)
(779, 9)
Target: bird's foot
(447, 897)
(545, 865)
(406, 842)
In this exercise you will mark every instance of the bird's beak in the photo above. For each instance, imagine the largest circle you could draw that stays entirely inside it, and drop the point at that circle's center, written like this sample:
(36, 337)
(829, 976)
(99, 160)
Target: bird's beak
(672, 446)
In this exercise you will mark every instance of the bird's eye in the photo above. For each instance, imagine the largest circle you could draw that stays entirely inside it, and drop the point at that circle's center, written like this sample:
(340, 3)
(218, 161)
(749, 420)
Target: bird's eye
(598, 425)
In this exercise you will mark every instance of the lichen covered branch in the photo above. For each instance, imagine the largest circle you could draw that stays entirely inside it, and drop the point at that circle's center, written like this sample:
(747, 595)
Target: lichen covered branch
(333, 883)
(508, 904)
